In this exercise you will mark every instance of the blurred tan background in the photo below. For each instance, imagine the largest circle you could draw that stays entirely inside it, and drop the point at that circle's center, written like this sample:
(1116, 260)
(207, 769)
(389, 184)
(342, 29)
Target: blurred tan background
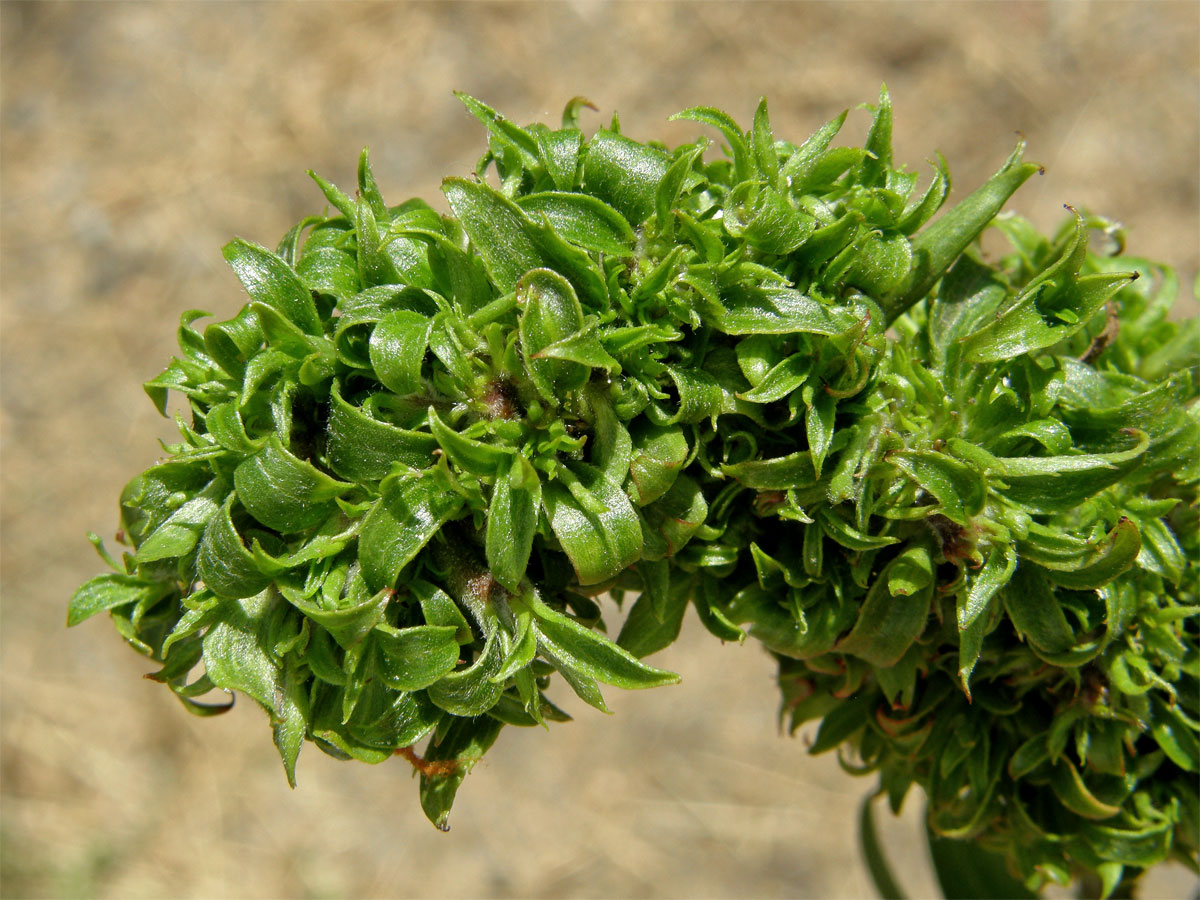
(137, 138)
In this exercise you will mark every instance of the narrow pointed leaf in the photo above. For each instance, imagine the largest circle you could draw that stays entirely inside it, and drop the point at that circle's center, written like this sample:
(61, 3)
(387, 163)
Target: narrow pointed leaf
(270, 281)
(738, 150)
(512, 522)
(110, 591)
(593, 654)
(938, 245)
(998, 568)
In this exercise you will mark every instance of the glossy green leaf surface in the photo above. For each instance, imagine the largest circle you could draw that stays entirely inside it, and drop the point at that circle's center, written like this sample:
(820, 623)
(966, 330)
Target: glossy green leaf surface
(271, 281)
(403, 520)
(512, 522)
(582, 220)
(397, 347)
(363, 448)
(601, 537)
(592, 655)
(105, 592)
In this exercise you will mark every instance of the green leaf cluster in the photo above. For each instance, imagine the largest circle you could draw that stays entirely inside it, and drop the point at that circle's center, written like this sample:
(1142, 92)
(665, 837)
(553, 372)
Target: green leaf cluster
(955, 496)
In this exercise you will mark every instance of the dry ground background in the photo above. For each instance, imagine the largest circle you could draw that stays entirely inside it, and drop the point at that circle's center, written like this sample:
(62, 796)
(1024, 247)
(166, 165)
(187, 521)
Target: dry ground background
(137, 138)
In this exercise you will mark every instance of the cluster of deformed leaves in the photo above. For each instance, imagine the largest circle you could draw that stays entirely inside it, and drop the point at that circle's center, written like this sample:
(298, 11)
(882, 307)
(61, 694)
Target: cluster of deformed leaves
(1019, 635)
(429, 441)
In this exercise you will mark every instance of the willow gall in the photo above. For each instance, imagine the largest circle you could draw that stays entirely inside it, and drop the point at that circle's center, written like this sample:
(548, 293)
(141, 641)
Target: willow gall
(954, 496)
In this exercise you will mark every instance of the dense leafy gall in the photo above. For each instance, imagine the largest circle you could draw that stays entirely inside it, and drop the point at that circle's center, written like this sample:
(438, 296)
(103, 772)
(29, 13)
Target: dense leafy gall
(954, 493)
